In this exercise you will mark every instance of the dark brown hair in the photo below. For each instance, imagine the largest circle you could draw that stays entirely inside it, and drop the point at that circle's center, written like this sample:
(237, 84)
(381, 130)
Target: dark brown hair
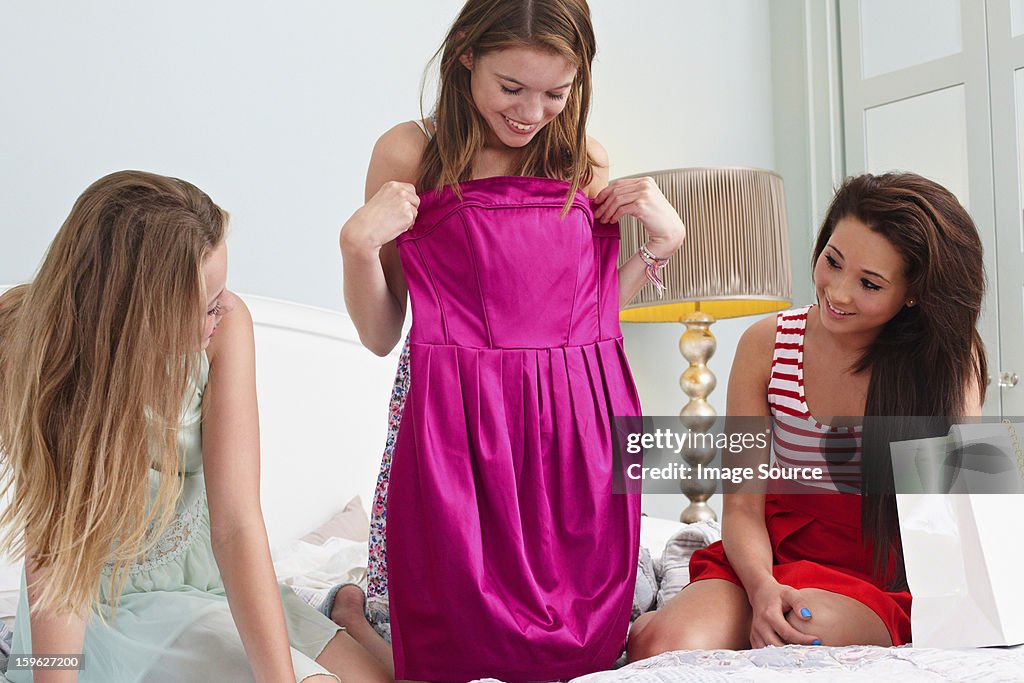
(926, 356)
(560, 149)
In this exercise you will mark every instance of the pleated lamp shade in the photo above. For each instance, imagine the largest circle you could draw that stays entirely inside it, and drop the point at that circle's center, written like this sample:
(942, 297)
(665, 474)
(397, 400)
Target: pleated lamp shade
(735, 260)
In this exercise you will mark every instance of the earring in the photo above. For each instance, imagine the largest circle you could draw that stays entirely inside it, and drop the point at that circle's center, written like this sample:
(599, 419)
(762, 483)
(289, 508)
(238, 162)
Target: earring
(910, 302)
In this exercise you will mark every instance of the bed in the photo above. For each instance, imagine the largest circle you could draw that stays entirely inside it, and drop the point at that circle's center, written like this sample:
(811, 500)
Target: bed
(323, 417)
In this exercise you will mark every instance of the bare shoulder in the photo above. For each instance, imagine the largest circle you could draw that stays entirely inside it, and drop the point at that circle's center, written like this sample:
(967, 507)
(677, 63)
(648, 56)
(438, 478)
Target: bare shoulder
(752, 369)
(599, 160)
(404, 138)
(757, 344)
(762, 332)
(234, 336)
(396, 155)
(598, 154)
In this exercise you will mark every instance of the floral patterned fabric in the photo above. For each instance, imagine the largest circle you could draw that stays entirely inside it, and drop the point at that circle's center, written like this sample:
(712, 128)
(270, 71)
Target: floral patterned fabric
(377, 571)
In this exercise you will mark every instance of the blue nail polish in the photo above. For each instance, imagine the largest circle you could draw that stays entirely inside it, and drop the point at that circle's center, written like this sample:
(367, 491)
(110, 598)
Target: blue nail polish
(805, 613)
(815, 642)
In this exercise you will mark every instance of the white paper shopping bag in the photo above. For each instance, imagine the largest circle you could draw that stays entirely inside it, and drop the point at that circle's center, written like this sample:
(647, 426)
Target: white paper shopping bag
(964, 550)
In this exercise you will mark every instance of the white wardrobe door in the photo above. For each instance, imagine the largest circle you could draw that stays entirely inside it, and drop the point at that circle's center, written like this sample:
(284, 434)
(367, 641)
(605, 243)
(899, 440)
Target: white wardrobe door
(926, 134)
(1006, 58)
(896, 34)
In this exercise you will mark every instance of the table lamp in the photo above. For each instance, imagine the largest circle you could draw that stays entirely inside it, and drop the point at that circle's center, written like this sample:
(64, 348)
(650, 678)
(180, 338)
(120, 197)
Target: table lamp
(734, 262)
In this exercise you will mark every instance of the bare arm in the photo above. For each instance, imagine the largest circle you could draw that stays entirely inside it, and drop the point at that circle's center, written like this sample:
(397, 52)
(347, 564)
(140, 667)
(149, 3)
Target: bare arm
(633, 273)
(375, 290)
(231, 454)
(51, 634)
(744, 532)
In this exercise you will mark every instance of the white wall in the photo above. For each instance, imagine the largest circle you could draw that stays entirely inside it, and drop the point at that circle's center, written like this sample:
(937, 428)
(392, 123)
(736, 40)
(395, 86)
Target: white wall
(272, 108)
(681, 84)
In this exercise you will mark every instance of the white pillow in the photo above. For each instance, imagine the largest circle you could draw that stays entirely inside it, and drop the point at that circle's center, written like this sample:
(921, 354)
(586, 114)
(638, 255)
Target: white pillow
(654, 535)
(675, 560)
(350, 523)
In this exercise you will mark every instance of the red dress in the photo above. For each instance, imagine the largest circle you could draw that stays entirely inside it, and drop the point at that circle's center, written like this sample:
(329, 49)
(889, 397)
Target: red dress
(815, 538)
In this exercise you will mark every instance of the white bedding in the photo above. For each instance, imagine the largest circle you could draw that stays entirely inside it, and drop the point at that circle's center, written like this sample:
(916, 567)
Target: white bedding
(861, 663)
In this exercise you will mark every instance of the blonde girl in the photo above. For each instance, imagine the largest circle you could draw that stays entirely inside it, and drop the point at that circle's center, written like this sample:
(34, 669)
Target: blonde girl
(128, 421)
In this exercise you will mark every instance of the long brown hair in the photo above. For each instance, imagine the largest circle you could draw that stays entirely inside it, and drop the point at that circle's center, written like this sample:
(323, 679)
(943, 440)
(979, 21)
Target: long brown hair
(924, 358)
(97, 355)
(560, 149)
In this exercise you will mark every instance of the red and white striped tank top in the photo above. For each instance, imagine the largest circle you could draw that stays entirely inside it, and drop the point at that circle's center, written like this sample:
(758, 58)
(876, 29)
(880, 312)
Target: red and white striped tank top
(798, 439)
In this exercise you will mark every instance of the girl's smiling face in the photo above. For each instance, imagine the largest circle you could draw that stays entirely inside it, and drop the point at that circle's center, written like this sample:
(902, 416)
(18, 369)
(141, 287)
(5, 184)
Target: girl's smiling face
(519, 90)
(860, 280)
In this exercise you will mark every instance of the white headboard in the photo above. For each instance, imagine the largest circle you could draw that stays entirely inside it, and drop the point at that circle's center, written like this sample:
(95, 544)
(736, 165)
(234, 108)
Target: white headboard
(323, 414)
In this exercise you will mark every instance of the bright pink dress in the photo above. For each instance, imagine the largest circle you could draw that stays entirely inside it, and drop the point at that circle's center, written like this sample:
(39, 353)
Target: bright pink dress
(815, 537)
(509, 556)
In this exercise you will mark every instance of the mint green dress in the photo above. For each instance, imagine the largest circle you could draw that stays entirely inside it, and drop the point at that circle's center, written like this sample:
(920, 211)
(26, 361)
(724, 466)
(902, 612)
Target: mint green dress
(173, 621)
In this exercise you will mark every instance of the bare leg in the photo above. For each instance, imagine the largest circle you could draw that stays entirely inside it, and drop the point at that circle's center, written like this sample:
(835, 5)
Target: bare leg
(706, 615)
(348, 612)
(840, 620)
(347, 659)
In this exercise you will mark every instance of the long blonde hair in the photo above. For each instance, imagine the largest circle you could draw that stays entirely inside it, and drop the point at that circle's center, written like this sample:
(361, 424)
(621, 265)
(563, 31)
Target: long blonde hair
(96, 357)
(560, 149)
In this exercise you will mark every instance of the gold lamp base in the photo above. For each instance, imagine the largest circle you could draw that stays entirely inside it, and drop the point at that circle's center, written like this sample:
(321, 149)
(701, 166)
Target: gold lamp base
(697, 346)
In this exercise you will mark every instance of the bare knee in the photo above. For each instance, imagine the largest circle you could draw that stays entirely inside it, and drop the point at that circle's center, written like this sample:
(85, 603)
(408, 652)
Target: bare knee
(348, 605)
(839, 620)
(710, 614)
(818, 625)
(662, 634)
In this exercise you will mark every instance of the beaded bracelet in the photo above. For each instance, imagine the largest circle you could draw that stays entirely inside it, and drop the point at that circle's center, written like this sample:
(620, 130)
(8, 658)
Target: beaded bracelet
(654, 264)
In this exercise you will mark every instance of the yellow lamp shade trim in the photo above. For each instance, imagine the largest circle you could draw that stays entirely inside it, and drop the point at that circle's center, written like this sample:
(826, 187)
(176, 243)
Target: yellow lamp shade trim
(676, 311)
